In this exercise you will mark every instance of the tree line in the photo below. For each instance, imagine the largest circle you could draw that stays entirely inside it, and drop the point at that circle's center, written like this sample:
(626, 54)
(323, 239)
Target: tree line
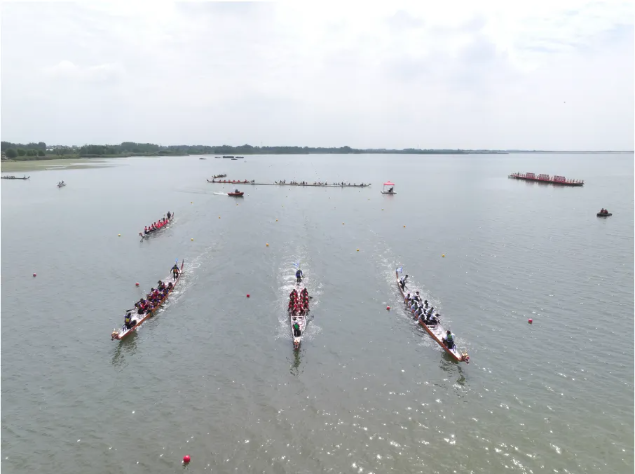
(13, 150)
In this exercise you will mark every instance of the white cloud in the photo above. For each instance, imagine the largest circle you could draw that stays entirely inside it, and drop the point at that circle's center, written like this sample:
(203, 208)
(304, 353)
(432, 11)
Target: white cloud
(398, 74)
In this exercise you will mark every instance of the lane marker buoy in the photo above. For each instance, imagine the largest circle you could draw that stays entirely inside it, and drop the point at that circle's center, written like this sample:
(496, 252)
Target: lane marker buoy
(267, 245)
(35, 274)
(443, 255)
(119, 235)
(388, 308)
(186, 459)
(136, 284)
(531, 321)
(192, 240)
(247, 295)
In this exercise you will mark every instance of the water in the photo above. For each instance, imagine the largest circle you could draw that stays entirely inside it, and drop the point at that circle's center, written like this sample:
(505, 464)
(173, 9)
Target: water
(214, 374)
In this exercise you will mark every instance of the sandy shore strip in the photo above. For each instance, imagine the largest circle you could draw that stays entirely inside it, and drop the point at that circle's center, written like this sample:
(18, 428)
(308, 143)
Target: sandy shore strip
(61, 164)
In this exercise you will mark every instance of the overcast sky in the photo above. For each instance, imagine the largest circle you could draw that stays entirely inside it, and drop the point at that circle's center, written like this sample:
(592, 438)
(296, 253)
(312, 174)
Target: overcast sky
(530, 75)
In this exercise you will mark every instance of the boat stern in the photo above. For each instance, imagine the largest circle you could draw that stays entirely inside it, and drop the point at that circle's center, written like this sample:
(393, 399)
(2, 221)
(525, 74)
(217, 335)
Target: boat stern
(114, 335)
(465, 357)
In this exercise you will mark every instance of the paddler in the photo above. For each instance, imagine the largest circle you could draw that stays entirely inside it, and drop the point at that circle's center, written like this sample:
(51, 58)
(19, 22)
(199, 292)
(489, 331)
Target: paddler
(169, 215)
(298, 275)
(448, 340)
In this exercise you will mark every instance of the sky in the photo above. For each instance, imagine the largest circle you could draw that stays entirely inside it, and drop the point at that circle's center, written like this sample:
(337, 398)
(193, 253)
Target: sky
(554, 75)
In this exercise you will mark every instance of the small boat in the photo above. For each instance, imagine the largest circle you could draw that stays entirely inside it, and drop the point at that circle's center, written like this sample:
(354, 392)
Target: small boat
(390, 189)
(61, 184)
(202, 158)
(218, 157)
(236, 193)
(604, 214)
(228, 156)
(301, 319)
(15, 177)
(152, 232)
(437, 333)
(138, 319)
(240, 157)
(234, 159)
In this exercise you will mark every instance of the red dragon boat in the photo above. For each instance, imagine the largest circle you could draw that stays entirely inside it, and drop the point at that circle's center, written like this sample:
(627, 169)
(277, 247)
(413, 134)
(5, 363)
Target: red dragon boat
(545, 178)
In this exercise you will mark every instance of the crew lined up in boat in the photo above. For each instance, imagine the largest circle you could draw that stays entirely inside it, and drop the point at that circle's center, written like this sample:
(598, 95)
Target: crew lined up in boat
(299, 305)
(157, 225)
(448, 340)
(604, 211)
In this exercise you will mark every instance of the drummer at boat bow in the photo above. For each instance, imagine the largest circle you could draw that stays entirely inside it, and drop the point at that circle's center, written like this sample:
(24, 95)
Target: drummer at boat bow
(299, 275)
(296, 329)
(402, 282)
(448, 340)
(127, 322)
(175, 271)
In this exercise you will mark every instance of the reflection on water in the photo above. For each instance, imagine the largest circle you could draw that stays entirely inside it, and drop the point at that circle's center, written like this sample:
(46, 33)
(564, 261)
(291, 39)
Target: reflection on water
(127, 346)
(295, 368)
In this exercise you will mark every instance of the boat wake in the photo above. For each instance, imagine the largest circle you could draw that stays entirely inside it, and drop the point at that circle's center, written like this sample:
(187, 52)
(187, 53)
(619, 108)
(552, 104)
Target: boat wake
(389, 262)
(220, 194)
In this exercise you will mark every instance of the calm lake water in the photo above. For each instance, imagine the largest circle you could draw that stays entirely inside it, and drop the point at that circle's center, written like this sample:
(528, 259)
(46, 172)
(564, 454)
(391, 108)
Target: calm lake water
(214, 375)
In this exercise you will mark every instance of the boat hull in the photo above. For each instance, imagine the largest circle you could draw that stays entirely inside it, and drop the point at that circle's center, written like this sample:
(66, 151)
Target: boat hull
(235, 194)
(390, 194)
(138, 319)
(599, 214)
(437, 333)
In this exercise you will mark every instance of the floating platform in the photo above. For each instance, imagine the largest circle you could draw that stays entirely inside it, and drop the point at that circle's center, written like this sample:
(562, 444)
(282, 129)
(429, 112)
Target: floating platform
(545, 178)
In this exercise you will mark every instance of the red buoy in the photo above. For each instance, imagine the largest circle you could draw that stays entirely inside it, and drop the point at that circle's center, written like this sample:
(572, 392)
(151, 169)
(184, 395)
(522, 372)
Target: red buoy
(186, 459)
(35, 274)
(247, 295)
(136, 284)
(388, 308)
(531, 321)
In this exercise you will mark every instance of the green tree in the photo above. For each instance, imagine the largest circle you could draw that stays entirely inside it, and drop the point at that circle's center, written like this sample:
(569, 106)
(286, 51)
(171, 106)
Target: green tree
(31, 153)
(21, 152)
(40, 153)
(11, 153)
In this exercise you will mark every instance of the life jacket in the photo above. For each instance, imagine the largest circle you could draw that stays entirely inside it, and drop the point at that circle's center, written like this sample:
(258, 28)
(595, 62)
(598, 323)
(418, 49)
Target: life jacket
(127, 320)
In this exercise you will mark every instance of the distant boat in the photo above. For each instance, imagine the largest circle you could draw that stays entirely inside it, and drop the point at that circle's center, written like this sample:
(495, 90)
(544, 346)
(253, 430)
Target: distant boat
(234, 159)
(202, 158)
(239, 157)
(390, 186)
(15, 177)
(228, 156)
